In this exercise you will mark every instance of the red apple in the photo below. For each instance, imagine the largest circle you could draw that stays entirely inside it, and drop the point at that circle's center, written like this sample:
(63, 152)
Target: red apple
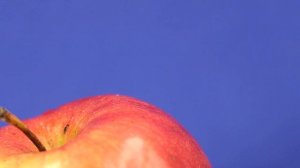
(102, 132)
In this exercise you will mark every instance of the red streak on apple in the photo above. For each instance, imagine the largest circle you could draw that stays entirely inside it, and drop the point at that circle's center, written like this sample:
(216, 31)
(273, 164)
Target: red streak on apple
(103, 132)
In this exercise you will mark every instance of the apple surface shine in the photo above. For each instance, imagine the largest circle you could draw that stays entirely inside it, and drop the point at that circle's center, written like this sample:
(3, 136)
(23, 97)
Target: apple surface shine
(109, 131)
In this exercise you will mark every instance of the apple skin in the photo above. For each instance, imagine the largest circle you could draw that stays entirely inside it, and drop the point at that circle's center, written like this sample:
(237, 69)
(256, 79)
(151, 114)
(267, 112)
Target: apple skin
(108, 131)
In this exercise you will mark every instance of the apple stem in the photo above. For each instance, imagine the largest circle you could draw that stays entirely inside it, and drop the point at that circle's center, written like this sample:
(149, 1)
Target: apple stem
(10, 118)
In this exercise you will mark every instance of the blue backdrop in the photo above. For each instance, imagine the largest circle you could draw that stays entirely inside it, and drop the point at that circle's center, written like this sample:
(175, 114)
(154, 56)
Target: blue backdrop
(227, 70)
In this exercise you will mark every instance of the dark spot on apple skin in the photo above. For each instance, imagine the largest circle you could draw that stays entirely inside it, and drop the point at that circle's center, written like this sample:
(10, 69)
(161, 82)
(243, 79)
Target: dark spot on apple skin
(66, 128)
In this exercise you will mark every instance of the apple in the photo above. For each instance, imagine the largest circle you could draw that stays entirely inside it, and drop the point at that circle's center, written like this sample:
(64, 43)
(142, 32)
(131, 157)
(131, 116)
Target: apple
(108, 131)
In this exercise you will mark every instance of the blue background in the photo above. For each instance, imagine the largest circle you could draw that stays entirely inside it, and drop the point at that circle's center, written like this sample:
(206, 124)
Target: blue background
(227, 70)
